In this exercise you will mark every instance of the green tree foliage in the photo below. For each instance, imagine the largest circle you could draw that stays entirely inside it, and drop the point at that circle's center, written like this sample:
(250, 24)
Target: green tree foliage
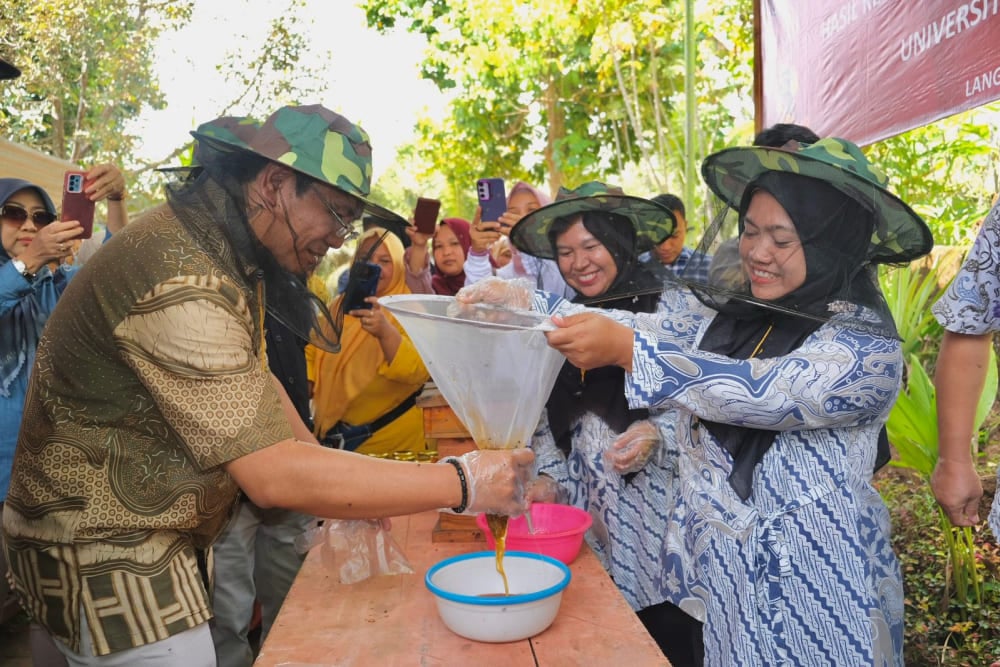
(947, 171)
(86, 72)
(566, 91)
(569, 90)
(267, 73)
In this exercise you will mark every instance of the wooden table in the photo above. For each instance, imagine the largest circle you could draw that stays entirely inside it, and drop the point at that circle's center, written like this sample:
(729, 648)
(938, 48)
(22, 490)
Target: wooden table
(393, 620)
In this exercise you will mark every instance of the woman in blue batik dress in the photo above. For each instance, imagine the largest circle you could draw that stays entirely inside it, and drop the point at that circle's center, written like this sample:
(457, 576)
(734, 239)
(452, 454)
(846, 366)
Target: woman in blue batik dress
(591, 450)
(782, 387)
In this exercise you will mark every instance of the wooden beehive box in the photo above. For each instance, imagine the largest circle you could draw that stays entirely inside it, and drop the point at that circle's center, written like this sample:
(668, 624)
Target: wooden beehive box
(441, 424)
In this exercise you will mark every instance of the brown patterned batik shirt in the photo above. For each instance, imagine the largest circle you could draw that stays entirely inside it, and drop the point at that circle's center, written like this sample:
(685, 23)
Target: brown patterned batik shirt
(149, 376)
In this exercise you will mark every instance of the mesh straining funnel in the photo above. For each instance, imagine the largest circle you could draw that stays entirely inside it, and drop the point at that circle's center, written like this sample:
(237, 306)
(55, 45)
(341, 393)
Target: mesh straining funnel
(496, 375)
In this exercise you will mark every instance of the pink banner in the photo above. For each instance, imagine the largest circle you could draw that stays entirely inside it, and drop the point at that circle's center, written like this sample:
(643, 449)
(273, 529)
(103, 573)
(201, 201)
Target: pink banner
(869, 69)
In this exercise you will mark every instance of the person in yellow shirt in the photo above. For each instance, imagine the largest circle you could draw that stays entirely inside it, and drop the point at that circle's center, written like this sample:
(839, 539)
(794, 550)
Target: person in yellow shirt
(364, 396)
(318, 287)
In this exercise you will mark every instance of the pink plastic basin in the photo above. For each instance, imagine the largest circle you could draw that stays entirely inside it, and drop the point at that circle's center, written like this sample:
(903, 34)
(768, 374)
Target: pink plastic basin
(559, 531)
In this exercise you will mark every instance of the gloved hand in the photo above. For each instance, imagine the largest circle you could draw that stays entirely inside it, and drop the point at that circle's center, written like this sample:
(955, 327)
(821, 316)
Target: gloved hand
(496, 480)
(513, 294)
(544, 489)
(632, 449)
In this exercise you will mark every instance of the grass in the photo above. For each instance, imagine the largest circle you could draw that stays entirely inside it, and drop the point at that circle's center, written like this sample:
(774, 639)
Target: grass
(940, 631)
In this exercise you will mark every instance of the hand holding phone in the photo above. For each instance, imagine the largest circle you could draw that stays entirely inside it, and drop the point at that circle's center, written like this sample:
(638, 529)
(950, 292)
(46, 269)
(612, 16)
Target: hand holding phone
(492, 198)
(362, 283)
(482, 234)
(425, 215)
(75, 203)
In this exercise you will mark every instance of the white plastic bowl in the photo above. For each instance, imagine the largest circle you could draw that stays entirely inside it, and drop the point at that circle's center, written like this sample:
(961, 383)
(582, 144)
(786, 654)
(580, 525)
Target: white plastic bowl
(536, 586)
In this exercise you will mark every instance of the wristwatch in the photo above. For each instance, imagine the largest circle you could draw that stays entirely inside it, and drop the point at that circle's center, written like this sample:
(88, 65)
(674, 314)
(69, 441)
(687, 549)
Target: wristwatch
(22, 268)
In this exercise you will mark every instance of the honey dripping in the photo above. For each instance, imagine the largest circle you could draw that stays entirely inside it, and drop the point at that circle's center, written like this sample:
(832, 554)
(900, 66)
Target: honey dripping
(498, 526)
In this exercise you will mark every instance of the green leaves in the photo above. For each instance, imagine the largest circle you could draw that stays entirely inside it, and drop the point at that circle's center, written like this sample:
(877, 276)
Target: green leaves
(938, 168)
(912, 425)
(912, 430)
(562, 92)
(87, 72)
(910, 291)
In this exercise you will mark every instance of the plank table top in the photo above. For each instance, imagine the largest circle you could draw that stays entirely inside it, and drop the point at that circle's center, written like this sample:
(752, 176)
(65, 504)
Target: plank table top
(393, 620)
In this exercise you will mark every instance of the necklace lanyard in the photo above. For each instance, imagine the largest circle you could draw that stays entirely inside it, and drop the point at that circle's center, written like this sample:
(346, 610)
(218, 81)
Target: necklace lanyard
(762, 339)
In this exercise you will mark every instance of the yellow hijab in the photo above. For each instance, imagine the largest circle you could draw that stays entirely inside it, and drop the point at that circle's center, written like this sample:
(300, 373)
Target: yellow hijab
(339, 378)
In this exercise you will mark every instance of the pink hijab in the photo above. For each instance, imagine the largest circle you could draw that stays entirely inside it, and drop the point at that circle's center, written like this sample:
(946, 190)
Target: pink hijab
(543, 200)
(449, 285)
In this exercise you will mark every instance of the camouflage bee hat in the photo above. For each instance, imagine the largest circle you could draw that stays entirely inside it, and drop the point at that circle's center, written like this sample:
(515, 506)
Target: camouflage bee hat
(652, 222)
(900, 234)
(229, 130)
(236, 131)
(309, 139)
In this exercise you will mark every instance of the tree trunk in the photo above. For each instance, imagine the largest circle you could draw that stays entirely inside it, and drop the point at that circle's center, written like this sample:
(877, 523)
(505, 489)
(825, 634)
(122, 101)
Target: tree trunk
(556, 131)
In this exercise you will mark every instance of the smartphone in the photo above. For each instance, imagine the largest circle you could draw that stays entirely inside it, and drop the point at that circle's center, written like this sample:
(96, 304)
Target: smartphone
(492, 198)
(75, 205)
(425, 215)
(363, 282)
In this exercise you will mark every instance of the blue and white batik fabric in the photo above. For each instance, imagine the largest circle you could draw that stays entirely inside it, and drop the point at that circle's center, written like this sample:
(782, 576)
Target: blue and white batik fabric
(803, 573)
(630, 514)
(971, 304)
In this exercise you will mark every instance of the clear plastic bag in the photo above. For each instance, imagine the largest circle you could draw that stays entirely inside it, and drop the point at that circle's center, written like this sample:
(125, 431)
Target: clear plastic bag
(493, 365)
(356, 549)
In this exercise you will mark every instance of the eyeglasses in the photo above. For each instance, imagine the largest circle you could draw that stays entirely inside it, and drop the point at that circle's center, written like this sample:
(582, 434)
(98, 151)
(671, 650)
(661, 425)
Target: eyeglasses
(19, 214)
(345, 232)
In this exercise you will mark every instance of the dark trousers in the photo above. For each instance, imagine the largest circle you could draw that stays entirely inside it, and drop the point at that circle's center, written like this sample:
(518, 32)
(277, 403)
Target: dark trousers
(677, 634)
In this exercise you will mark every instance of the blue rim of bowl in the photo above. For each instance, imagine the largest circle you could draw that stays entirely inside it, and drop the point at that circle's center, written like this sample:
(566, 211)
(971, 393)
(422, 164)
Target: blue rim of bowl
(562, 533)
(497, 601)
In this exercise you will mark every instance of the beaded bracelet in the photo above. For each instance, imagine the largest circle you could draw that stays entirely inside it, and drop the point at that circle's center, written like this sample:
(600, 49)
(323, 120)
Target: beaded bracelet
(465, 485)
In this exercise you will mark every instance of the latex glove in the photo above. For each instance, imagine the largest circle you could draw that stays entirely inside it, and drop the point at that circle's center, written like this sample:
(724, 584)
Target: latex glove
(511, 294)
(632, 449)
(497, 479)
(544, 489)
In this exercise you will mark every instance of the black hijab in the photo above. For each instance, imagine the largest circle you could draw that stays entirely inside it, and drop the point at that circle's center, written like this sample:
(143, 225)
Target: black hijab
(602, 390)
(834, 231)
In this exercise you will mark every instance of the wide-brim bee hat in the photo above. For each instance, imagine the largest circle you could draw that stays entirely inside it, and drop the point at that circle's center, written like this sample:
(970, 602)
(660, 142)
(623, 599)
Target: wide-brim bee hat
(230, 130)
(899, 235)
(652, 222)
(310, 139)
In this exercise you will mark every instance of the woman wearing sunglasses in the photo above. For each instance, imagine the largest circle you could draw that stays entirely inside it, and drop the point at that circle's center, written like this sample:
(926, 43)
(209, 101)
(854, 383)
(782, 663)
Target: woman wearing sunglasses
(33, 274)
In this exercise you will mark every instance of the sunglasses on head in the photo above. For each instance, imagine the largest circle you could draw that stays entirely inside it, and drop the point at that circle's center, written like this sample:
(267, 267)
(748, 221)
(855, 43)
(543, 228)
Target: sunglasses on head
(19, 214)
